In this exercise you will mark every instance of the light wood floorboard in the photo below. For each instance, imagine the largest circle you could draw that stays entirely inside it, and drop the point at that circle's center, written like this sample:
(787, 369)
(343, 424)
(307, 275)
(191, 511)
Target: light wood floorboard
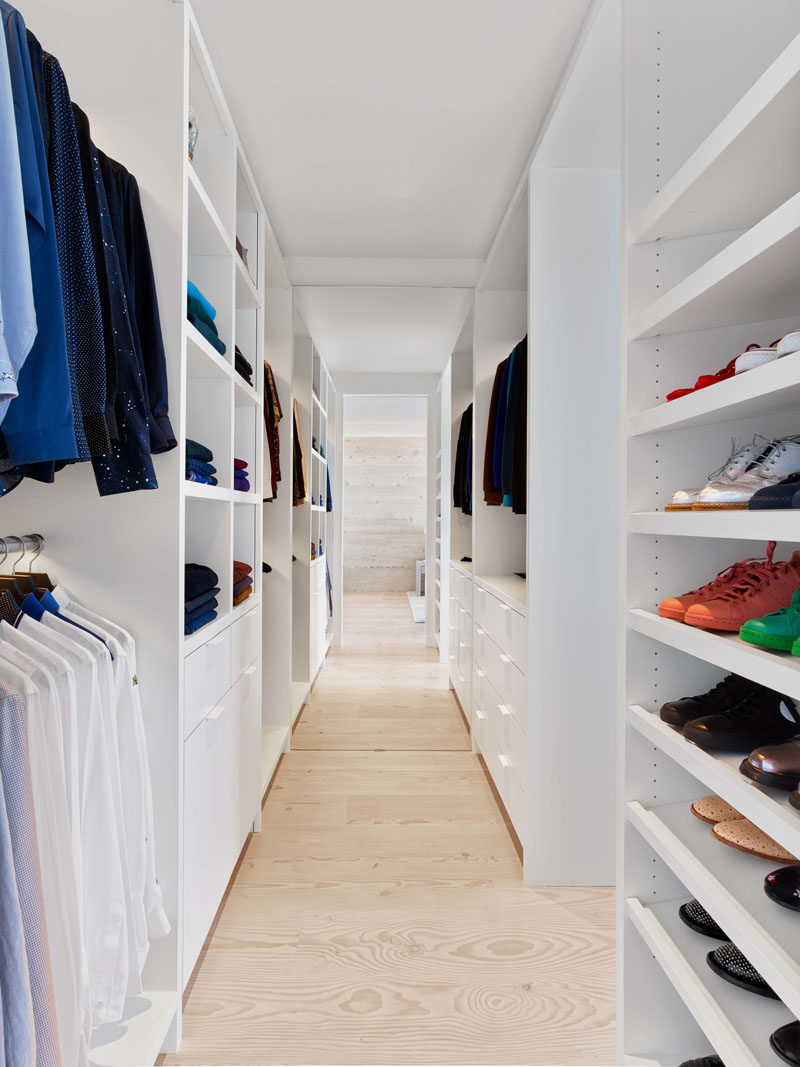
(380, 915)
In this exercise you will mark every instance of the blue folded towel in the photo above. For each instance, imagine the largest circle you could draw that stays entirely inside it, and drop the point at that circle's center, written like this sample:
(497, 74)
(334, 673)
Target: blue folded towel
(208, 307)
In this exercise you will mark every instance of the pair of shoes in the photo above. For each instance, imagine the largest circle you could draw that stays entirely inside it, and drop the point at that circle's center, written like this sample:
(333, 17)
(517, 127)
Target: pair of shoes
(778, 630)
(729, 827)
(737, 715)
(705, 380)
(748, 477)
(753, 356)
(743, 591)
(783, 887)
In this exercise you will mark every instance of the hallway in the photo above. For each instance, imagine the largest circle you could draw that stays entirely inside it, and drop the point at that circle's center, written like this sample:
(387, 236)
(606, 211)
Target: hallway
(380, 917)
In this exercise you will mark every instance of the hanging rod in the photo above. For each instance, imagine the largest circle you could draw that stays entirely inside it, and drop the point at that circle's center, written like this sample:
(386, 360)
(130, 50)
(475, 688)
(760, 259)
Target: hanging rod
(27, 542)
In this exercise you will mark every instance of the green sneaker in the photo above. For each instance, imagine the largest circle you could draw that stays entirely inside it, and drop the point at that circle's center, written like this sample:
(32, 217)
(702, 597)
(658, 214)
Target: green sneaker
(779, 629)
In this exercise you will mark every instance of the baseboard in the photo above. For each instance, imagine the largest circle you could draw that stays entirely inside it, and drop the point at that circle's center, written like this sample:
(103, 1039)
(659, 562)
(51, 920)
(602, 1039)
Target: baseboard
(506, 818)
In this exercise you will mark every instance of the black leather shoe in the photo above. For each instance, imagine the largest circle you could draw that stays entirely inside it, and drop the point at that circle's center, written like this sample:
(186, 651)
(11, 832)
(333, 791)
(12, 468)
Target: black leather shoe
(783, 886)
(725, 694)
(697, 918)
(729, 963)
(704, 1061)
(763, 717)
(794, 799)
(786, 1042)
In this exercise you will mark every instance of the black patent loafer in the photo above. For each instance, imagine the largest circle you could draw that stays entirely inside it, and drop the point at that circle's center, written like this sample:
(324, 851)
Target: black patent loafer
(729, 963)
(698, 919)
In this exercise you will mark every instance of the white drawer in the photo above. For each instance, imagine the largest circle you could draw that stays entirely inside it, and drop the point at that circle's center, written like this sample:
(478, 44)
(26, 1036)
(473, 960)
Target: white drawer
(463, 687)
(511, 792)
(465, 661)
(206, 679)
(210, 813)
(514, 799)
(465, 593)
(464, 626)
(245, 641)
(508, 680)
(509, 735)
(506, 626)
(246, 699)
(456, 578)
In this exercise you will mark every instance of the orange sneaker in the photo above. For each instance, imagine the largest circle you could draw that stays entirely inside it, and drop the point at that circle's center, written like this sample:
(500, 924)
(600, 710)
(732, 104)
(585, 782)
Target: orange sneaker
(675, 607)
(759, 586)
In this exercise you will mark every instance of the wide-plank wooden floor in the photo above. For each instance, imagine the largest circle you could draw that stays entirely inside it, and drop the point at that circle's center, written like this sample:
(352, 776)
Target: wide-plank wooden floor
(380, 915)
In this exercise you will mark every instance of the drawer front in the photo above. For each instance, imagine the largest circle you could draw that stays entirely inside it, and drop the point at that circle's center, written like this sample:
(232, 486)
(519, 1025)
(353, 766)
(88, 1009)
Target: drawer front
(506, 626)
(510, 683)
(245, 642)
(318, 577)
(464, 626)
(465, 661)
(463, 687)
(210, 789)
(509, 735)
(207, 677)
(511, 792)
(246, 699)
(514, 799)
(465, 593)
(456, 578)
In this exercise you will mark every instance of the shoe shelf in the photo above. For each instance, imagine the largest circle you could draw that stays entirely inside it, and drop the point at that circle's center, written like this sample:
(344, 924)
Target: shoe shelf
(776, 670)
(729, 885)
(768, 808)
(763, 391)
(724, 184)
(753, 279)
(783, 525)
(737, 1023)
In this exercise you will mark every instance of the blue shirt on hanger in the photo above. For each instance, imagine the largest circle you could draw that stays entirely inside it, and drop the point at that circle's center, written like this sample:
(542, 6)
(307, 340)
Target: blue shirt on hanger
(38, 425)
(47, 602)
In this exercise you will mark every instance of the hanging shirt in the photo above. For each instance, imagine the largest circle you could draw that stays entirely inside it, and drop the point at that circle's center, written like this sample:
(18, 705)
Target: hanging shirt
(17, 311)
(38, 424)
(15, 781)
(499, 429)
(58, 875)
(158, 924)
(108, 1000)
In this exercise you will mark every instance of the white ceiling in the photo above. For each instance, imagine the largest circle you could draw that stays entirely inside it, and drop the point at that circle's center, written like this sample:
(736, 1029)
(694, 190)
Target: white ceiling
(385, 416)
(387, 130)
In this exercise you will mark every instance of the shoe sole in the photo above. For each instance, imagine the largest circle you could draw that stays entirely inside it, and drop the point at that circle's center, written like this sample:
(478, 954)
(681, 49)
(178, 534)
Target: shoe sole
(698, 927)
(679, 507)
(783, 904)
(713, 624)
(677, 615)
(722, 742)
(773, 641)
(774, 1046)
(750, 851)
(715, 967)
(788, 782)
(794, 799)
(720, 507)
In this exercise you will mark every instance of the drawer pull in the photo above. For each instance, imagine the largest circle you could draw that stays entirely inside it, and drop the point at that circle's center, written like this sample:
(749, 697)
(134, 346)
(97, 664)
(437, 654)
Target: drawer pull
(480, 632)
(215, 641)
(252, 669)
(461, 644)
(479, 714)
(479, 672)
(505, 607)
(504, 760)
(504, 709)
(215, 713)
(504, 658)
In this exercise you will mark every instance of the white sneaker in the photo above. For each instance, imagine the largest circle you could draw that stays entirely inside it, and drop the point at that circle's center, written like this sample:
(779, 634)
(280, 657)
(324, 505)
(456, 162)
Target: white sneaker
(735, 465)
(754, 356)
(788, 344)
(779, 459)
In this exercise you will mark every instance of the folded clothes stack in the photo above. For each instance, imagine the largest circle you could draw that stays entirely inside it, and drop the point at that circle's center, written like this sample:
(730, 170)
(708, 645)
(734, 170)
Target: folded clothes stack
(241, 479)
(200, 597)
(201, 314)
(199, 467)
(242, 581)
(243, 367)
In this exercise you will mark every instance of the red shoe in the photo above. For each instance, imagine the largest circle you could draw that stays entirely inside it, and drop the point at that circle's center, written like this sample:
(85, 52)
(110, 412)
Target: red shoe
(676, 607)
(759, 587)
(705, 380)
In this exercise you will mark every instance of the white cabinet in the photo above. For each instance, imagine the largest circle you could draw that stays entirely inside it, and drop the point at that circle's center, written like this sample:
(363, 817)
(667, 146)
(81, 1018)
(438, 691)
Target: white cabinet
(207, 677)
(245, 641)
(461, 637)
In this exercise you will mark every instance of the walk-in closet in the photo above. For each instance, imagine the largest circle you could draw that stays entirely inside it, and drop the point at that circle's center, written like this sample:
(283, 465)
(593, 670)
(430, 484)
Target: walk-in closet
(399, 577)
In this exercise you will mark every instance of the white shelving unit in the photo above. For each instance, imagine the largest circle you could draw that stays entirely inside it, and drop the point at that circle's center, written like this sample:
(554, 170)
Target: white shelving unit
(313, 527)
(709, 270)
(213, 736)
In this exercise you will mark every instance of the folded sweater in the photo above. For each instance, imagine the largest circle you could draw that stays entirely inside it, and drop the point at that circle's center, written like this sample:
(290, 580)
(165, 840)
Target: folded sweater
(194, 450)
(202, 300)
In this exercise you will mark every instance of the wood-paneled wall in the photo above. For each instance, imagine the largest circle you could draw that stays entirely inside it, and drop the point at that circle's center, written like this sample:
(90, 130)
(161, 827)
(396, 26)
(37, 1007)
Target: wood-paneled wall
(384, 512)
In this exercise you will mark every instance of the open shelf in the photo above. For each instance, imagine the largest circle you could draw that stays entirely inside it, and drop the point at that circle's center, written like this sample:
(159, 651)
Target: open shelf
(783, 525)
(752, 280)
(773, 387)
(724, 184)
(245, 393)
(141, 1033)
(737, 1023)
(776, 670)
(207, 233)
(768, 808)
(222, 622)
(247, 296)
(202, 359)
(200, 491)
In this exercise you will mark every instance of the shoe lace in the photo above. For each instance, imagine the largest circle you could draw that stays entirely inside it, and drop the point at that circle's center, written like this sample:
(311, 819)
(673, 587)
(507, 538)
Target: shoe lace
(768, 459)
(732, 573)
(736, 454)
(755, 575)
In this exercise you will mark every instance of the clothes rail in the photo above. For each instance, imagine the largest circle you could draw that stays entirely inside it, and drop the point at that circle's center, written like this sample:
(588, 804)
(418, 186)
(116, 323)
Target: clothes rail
(26, 543)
